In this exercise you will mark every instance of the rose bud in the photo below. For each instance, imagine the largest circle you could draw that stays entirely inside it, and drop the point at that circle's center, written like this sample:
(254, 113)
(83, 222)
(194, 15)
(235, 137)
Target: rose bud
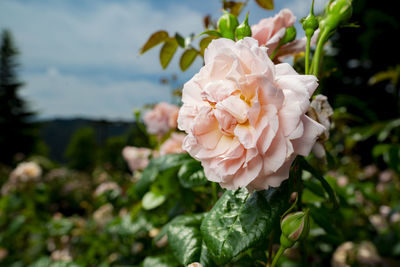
(227, 24)
(337, 12)
(243, 30)
(310, 23)
(295, 226)
(289, 36)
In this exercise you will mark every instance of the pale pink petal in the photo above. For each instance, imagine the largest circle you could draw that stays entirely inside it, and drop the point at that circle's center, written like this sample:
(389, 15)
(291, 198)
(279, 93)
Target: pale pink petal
(275, 155)
(226, 121)
(218, 90)
(214, 49)
(236, 107)
(312, 129)
(268, 93)
(246, 175)
(226, 145)
(274, 180)
(246, 135)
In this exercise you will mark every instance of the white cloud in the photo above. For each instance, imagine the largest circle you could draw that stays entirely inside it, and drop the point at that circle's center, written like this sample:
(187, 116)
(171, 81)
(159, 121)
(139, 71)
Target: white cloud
(62, 95)
(95, 47)
(106, 34)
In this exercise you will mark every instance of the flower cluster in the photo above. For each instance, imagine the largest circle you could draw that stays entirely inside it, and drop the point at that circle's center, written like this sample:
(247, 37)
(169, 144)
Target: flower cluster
(24, 173)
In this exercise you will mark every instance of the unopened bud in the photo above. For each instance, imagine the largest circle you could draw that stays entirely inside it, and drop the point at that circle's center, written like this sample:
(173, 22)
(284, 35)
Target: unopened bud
(227, 24)
(310, 23)
(295, 226)
(243, 30)
(289, 36)
(337, 12)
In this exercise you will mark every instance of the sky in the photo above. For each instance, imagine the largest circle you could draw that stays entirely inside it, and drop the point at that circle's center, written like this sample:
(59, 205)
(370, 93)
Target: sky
(79, 58)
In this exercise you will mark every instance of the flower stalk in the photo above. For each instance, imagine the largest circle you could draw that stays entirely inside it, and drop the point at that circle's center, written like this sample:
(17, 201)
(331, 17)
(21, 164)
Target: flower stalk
(310, 25)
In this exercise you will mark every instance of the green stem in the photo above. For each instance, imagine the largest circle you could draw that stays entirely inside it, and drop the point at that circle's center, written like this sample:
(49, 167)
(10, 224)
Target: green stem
(318, 51)
(272, 56)
(308, 55)
(278, 255)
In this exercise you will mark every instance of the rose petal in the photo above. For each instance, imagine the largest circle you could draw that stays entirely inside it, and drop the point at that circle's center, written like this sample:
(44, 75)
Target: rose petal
(312, 129)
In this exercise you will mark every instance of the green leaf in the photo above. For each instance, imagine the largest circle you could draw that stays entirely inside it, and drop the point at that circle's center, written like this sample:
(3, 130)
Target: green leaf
(154, 40)
(212, 33)
(152, 200)
(41, 262)
(204, 43)
(167, 52)
(387, 129)
(184, 238)
(186, 242)
(266, 4)
(234, 7)
(187, 58)
(331, 193)
(166, 260)
(125, 226)
(239, 220)
(155, 169)
(180, 40)
(314, 187)
(324, 218)
(60, 226)
(191, 174)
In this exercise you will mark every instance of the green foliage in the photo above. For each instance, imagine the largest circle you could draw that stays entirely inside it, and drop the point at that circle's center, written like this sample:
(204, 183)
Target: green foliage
(158, 168)
(240, 219)
(82, 149)
(154, 40)
(161, 261)
(185, 239)
(187, 58)
(110, 153)
(191, 174)
(168, 51)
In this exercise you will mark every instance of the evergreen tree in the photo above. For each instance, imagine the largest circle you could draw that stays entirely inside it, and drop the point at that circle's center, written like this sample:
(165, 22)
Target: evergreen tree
(18, 133)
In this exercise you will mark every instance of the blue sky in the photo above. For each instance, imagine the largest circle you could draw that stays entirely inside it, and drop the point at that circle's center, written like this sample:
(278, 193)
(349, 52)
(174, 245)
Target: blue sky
(80, 57)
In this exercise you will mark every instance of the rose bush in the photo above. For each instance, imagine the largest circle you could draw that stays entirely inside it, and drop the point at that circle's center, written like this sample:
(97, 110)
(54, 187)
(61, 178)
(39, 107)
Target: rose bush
(245, 117)
(137, 158)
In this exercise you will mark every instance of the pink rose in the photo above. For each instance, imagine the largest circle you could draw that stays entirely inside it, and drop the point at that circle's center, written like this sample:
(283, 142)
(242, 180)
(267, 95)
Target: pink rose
(162, 118)
(269, 31)
(173, 144)
(245, 117)
(136, 157)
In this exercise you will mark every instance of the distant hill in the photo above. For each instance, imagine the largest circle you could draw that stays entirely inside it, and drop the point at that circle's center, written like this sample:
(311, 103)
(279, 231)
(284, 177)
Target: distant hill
(56, 133)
